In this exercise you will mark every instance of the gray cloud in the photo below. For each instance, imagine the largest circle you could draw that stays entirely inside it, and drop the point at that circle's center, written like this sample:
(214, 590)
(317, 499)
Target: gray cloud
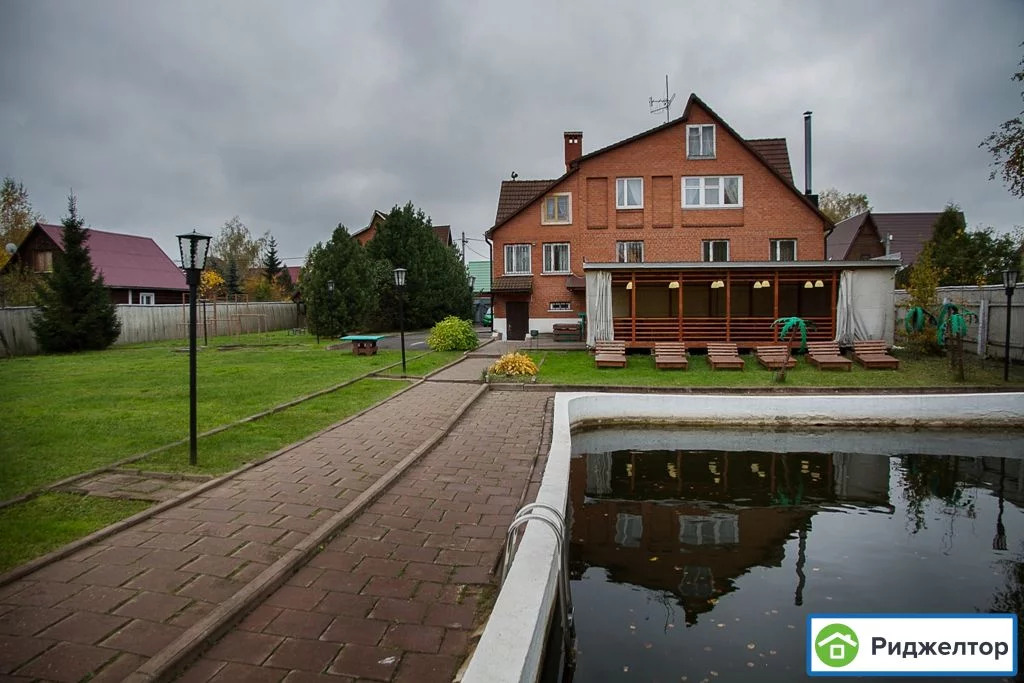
(168, 116)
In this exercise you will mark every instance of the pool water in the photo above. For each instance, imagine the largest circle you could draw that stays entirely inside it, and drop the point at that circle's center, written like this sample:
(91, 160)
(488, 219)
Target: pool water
(703, 565)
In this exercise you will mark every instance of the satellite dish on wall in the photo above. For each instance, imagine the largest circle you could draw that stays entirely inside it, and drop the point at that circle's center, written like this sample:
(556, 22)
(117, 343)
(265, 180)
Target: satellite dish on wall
(11, 248)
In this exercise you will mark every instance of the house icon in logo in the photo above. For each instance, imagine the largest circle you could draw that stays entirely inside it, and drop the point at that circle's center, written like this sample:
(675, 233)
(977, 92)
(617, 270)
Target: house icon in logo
(837, 651)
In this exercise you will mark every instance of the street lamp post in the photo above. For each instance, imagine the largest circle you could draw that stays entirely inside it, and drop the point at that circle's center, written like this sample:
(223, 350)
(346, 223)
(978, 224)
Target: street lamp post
(400, 285)
(1010, 284)
(193, 248)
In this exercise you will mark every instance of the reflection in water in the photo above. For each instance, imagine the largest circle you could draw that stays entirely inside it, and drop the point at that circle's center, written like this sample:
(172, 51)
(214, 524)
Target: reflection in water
(704, 564)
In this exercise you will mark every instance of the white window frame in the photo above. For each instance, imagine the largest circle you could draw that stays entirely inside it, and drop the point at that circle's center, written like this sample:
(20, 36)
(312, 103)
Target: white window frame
(773, 249)
(544, 262)
(621, 251)
(560, 306)
(147, 298)
(707, 251)
(510, 259)
(702, 183)
(622, 197)
(544, 220)
(702, 127)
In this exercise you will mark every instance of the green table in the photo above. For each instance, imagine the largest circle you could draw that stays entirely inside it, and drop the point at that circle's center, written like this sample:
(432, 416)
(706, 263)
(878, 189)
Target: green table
(363, 344)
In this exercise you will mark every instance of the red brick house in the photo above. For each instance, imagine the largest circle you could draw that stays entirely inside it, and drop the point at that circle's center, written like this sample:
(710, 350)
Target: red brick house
(687, 231)
(135, 270)
(441, 232)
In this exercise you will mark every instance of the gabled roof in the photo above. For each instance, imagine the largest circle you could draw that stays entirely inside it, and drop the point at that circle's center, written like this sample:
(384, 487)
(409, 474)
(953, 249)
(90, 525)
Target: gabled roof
(377, 216)
(839, 240)
(443, 233)
(909, 231)
(125, 260)
(515, 194)
(516, 200)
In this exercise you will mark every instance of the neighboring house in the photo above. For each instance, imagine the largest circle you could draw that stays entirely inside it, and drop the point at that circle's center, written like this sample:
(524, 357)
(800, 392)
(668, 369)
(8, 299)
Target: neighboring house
(684, 232)
(871, 235)
(480, 271)
(134, 269)
(442, 232)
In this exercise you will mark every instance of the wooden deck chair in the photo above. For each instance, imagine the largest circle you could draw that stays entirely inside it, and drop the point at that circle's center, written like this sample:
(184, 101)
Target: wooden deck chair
(825, 356)
(872, 353)
(773, 356)
(724, 355)
(610, 354)
(670, 355)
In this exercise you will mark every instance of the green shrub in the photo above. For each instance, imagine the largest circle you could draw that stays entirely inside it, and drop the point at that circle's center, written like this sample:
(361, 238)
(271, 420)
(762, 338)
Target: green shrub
(452, 334)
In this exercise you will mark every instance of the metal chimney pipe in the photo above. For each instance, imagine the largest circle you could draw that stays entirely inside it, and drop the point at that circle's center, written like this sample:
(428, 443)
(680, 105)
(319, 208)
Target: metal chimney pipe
(807, 153)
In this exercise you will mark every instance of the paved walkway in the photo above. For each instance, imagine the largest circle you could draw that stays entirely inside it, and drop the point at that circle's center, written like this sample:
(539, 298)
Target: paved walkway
(426, 544)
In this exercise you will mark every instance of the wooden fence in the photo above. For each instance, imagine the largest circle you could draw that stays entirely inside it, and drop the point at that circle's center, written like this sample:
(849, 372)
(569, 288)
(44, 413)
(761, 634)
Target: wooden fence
(156, 323)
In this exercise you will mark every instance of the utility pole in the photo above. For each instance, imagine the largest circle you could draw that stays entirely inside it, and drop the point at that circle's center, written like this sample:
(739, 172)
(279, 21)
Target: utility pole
(463, 247)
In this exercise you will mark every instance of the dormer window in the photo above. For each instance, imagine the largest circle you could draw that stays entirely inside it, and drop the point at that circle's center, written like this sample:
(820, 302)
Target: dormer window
(700, 141)
(557, 209)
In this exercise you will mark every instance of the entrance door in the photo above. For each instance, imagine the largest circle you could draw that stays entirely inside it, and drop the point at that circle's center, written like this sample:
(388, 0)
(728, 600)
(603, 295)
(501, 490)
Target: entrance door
(518, 314)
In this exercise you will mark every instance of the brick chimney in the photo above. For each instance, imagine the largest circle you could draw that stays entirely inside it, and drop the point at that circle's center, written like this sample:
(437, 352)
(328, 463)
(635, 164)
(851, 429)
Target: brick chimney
(573, 147)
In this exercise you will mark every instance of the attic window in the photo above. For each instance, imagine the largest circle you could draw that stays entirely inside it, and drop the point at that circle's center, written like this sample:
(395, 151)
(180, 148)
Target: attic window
(557, 209)
(700, 141)
(42, 261)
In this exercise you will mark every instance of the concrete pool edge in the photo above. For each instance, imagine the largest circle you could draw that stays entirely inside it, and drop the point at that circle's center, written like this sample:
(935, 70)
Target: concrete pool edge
(511, 647)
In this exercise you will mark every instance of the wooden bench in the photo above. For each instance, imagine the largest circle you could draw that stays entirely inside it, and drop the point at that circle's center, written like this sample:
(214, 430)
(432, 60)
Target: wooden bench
(566, 331)
(610, 354)
(670, 355)
(723, 355)
(825, 356)
(363, 344)
(773, 356)
(872, 353)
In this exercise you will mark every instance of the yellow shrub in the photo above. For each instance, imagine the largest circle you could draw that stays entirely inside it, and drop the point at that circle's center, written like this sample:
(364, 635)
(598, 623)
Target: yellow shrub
(514, 364)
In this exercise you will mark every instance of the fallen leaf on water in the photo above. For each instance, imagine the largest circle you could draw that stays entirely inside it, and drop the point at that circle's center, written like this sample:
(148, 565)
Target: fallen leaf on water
(771, 652)
(790, 626)
(654, 559)
(648, 646)
(671, 625)
(625, 668)
(712, 601)
(720, 625)
(713, 673)
(750, 664)
(632, 627)
(751, 646)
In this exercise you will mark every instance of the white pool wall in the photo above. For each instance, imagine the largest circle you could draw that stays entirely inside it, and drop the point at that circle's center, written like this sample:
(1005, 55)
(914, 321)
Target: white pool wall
(511, 648)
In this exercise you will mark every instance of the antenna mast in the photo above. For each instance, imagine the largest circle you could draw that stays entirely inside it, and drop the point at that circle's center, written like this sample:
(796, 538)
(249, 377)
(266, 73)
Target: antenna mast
(662, 104)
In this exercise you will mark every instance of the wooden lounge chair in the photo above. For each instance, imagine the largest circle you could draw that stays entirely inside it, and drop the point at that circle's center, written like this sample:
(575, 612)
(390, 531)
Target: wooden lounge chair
(722, 355)
(670, 355)
(871, 353)
(610, 354)
(773, 356)
(825, 356)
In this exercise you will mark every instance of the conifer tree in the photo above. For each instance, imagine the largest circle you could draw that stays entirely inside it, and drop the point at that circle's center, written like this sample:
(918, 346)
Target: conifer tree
(75, 310)
(271, 262)
(232, 283)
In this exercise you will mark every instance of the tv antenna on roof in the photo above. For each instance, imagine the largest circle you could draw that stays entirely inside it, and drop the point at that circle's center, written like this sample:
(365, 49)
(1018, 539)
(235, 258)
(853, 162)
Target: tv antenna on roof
(663, 104)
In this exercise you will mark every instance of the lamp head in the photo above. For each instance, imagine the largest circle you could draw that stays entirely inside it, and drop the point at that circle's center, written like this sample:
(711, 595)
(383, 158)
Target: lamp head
(400, 277)
(1009, 281)
(194, 248)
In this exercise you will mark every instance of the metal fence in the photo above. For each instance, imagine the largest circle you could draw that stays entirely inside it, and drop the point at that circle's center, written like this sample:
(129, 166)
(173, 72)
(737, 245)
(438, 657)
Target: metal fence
(156, 323)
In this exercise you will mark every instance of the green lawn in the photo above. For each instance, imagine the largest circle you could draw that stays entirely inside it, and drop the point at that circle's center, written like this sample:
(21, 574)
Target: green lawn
(70, 413)
(49, 521)
(577, 368)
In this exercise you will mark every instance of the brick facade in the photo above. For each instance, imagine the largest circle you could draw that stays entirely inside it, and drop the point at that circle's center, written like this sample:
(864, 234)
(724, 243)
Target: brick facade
(771, 208)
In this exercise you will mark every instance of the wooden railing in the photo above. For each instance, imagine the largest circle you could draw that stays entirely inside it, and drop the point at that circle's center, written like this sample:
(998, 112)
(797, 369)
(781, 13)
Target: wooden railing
(697, 332)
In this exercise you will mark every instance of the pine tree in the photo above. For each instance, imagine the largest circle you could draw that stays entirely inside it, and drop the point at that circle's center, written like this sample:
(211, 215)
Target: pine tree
(75, 310)
(284, 282)
(231, 282)
(342, 261)
(271, 263)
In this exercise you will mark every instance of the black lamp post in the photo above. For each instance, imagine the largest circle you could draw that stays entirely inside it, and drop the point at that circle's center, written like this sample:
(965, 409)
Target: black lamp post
(193, 248)
(1010, 283)
(400, 285)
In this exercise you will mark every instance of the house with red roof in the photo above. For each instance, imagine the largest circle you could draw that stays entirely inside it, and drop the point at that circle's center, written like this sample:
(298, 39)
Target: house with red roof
(685, 232)
(135, 270)
(441, 232)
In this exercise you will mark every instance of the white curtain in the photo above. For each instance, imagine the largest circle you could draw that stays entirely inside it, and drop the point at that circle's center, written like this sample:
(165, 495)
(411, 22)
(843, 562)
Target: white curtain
(864, 306)
(599, 306)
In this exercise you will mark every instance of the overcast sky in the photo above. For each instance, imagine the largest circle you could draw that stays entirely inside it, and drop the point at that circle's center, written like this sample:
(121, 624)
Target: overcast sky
(169, 116)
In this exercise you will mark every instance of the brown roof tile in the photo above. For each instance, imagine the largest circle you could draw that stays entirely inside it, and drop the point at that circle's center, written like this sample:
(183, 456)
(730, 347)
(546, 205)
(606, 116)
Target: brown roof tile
(776, 153)
(840, 239)
(513, 283)
(515, 194)
(909, 231)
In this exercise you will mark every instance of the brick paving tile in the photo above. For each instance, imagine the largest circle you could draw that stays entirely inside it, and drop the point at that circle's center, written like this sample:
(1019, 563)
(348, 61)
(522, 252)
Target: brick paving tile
(161, 580)
(62, 571)
(361, 661)
(414, 637)
(346, 604)
(166, 559)
(153, 606)
(298, 624)
(244, 673)
(214, 565)
(211, 588)
(98, 599)
(30, 620)
(109, 575)
(349, 630)
(216, 546)
(309, 677)
(195, 611)
(69, 662)
(261, 534)
(118, 669)
(244, 647)
(43, 594)
(142, 637)
(311, 655)
(16, 650)
(84, 628)
(201, 672)
(420, 668)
